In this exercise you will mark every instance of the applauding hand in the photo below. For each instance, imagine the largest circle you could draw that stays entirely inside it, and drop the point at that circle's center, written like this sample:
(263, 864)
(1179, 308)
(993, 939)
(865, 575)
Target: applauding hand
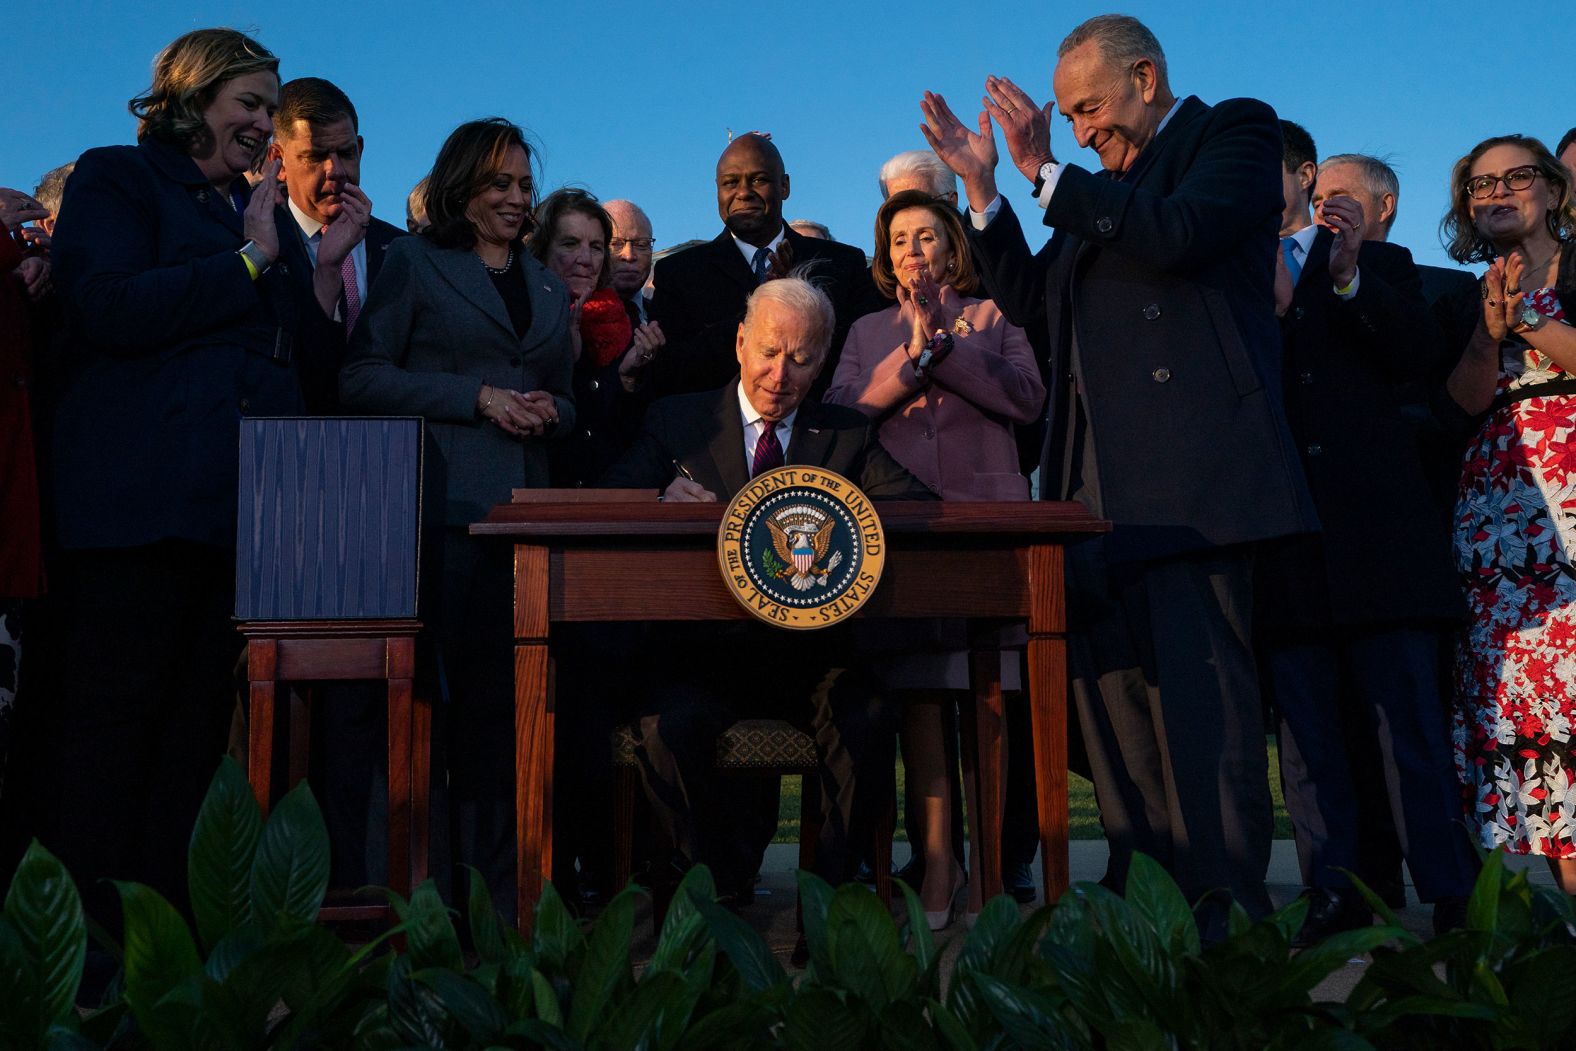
(1025, 126)
(971, 155)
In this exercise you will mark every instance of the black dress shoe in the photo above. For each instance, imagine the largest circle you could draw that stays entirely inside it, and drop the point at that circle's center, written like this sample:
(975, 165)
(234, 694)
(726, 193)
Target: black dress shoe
(1331, 912)
(1018, 880)
(1450, 914)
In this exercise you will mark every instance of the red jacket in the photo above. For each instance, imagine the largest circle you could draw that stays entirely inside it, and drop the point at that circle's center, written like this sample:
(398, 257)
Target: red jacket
(21, 561)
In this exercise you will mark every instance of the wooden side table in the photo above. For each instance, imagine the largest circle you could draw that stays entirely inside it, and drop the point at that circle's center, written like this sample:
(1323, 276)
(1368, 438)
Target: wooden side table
(309, 651)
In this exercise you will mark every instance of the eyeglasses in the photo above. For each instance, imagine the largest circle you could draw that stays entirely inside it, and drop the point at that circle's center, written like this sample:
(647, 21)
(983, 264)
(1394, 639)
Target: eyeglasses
(1482, 186)
(639, 244)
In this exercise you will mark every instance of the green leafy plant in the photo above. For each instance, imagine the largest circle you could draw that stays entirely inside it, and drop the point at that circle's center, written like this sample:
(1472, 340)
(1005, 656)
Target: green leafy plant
(255, 968)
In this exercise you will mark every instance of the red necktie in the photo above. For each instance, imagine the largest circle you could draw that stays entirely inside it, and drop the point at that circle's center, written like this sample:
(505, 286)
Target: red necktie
(768, 451)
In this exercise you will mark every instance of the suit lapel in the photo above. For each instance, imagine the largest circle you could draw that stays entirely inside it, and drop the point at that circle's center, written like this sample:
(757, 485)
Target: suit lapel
(729, 261)
(465, 272)
(1191, 109)
(549, 304)
(1316, 263)
(292, 247)
(811, 443)
(379, 237)
(726, 447)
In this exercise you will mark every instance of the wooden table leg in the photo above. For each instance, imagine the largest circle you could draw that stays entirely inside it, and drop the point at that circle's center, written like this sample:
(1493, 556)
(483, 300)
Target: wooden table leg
(990, 738)
(420, 786)
(262, 664)
(1047, 659)
(533, 734)
(300, 725)
(401, 667)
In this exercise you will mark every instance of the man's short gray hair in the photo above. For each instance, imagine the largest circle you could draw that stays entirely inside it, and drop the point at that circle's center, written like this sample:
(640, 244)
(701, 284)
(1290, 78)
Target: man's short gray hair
(1121, 39)
(1378, 175)
(798, 294)
(938, 179)
(52, 187)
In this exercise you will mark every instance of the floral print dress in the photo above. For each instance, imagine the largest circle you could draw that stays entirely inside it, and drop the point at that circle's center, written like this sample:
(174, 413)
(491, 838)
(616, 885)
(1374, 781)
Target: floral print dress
(1515, 544)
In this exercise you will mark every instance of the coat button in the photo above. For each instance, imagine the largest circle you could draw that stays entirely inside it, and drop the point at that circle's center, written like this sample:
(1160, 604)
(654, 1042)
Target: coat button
(515, 361)
(1152, 311)
(930, 432)
(1297, 313)
(1315, 449)
(1103, 224)
(1161, 375)
(245, 404)
(1305, 378)
(595, 385)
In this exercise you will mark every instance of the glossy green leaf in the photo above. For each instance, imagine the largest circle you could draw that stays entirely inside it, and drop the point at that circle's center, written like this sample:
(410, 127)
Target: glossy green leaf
(466, 1002)
(160, 953)
(556, 939)
(745, 948)
(416, 1013)
(544, 1035)
(223, 847)
(19, 1011)
(919, 940)
(818, 1020)
(815, 898)
(1155, 896)
(951, 1028)
(45, 911)
(429, 932)
(640, 1018)
(863, 947)
(486, 928)
(545, 1000)
(1030, 1019)
(290, 868)
(606, 964)
(735, 1025)
(1483, 903)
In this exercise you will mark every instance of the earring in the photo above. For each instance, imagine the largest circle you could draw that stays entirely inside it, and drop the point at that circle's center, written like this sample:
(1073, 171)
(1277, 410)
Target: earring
(951, 265)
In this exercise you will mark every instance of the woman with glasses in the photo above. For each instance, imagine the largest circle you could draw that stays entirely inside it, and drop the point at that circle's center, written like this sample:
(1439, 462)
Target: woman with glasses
(1511, 207)
(572, 238)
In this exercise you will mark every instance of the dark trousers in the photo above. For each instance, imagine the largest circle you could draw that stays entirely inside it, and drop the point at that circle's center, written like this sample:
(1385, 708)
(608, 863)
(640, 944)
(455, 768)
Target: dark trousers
(708, 817)
(140, 648)
(1168, 699)
(474, 626)
(1395, 673)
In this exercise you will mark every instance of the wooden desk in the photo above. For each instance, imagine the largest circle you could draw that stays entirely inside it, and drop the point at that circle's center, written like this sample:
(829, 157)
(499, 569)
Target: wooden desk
(585, 561)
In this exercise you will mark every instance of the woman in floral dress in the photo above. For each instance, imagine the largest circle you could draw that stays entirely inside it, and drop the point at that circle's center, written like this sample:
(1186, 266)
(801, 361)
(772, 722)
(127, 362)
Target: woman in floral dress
(1515, 533)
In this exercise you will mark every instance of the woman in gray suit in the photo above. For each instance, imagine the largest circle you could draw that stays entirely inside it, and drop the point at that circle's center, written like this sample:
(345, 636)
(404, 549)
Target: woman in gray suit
(466, 329)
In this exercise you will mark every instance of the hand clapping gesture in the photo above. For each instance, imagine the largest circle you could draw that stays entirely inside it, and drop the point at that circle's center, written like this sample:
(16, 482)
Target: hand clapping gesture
(1503, 294)
(1343, 216)
(648, 341)
(17, 208)
(257, 222)
(1025, 126)
(971, 155)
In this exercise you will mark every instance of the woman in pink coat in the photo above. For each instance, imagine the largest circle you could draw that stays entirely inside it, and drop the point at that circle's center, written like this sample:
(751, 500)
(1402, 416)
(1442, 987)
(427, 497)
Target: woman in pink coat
(948, 377)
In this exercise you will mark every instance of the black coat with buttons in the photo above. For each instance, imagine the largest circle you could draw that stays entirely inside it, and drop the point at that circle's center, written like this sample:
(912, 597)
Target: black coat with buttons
(169, 344)
(1165, 275)
(1384, 556)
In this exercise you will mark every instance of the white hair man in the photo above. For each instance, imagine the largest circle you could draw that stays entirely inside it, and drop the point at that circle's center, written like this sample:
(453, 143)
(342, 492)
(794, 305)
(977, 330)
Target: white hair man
(1170, 425)
(918, 170)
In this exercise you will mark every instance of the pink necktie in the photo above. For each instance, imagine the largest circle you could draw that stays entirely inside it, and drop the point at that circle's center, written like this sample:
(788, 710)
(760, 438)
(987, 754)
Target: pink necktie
(347, 271)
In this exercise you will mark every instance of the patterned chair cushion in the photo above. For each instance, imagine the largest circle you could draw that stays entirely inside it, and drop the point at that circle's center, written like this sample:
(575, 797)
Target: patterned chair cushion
(749, 744)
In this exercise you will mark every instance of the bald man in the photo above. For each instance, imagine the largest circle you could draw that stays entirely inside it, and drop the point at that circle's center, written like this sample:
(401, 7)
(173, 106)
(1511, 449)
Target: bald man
(700, 293)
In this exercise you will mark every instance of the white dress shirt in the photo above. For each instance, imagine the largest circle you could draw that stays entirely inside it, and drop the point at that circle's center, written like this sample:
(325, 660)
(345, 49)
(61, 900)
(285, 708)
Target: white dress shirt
(748, 250)
(754, 425)
(310, 228)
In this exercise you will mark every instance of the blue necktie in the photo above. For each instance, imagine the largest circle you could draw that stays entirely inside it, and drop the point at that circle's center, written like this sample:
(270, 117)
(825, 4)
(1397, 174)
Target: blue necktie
(762, 257)
(1294, 268)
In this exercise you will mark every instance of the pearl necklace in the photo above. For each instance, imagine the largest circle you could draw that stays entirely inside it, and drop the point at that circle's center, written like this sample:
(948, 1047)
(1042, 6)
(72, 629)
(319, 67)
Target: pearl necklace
(508, 265)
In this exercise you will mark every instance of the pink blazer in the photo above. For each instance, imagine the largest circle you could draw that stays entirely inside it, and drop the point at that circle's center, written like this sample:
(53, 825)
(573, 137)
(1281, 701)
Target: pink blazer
(954, 433)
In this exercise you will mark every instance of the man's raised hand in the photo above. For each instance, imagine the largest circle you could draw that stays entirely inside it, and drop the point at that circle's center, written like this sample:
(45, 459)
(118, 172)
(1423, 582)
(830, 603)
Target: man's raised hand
(1025, 126)
(971, 155)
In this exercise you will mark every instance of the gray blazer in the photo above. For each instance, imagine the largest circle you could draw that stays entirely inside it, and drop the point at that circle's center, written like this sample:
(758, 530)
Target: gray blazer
(433, 331)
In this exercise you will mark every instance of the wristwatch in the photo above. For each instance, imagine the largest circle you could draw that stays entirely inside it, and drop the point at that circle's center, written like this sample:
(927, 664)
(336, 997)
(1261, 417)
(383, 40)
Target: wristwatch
(1044, 176)
(936, 348)
(1531, 319)
(254, 255)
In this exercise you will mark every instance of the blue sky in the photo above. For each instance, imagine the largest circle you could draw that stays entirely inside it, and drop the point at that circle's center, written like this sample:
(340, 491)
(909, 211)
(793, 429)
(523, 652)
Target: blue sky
(634, 99)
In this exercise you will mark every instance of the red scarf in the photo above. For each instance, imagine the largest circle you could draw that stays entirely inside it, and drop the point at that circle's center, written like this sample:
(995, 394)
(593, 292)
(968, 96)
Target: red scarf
(605, 332)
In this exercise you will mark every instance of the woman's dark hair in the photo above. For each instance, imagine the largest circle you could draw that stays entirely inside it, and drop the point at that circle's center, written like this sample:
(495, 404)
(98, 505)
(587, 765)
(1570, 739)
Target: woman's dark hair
(1460, 235)
(964, 279)
(187, 76)
(467, 162)
(554, 207)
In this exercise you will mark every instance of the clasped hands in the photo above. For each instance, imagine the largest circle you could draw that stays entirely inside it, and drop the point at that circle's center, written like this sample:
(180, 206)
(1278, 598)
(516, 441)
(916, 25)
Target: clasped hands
(529, 415)
(1503, 295)
(972, 154)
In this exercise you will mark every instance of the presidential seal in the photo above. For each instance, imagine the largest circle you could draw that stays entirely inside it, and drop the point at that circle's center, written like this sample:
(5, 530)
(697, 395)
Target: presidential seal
(801, 547)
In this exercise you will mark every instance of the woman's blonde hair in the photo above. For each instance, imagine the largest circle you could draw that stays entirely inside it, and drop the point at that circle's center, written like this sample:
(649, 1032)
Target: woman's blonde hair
(1460, 235)
(187, 76)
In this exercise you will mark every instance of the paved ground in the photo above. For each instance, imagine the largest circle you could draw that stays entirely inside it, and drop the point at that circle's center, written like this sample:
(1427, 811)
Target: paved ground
(773, 911)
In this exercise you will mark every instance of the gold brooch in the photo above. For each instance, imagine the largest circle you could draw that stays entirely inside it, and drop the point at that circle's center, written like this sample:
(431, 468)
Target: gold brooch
(961, 326)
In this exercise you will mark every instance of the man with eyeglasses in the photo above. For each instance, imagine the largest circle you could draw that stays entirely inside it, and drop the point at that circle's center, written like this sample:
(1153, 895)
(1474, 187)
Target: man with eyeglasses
(630, 248)
(1352, 620)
